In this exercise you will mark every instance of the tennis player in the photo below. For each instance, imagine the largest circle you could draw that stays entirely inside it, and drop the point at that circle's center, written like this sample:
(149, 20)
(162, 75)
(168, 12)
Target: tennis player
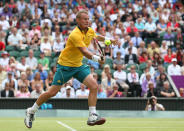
(70, 65)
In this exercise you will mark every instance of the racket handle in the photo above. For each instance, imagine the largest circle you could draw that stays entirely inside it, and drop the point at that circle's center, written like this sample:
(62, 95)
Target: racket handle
(102, 58)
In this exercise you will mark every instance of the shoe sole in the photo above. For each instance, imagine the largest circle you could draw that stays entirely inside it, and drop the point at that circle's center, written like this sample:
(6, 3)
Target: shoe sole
(25, 124)
(99, 122)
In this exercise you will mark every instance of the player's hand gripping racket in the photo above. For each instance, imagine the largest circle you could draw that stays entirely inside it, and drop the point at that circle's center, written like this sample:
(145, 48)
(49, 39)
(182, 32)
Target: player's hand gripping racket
(100, 50)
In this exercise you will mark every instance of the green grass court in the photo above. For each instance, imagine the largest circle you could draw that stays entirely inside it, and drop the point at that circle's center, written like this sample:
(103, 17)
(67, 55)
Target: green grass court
(79, 124)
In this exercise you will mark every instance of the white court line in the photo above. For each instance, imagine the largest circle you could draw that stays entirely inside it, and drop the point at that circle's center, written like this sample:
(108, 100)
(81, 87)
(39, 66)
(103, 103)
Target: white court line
(65, 125)
(140, 127)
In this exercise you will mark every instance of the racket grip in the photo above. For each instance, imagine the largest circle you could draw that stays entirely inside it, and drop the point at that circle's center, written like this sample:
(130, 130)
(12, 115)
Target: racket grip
(102, 58)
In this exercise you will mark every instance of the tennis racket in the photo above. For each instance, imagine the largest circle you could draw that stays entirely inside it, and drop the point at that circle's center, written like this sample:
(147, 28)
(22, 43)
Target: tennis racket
(100, 50)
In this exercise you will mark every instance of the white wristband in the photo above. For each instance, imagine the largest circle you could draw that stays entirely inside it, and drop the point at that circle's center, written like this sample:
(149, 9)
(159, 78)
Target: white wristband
(96, 58)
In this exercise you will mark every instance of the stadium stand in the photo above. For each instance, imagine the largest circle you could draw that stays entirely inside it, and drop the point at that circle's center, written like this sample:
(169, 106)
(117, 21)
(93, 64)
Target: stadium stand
(44, 25)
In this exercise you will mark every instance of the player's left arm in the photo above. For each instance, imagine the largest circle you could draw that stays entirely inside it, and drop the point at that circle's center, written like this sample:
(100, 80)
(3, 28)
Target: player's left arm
(103, 38)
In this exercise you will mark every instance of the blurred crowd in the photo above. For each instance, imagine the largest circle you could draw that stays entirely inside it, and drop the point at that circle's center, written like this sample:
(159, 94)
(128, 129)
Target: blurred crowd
(150, 35)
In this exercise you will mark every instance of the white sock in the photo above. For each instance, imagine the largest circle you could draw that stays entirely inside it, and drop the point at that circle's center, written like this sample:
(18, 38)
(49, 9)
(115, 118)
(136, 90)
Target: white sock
(92, 109)
(34, 108)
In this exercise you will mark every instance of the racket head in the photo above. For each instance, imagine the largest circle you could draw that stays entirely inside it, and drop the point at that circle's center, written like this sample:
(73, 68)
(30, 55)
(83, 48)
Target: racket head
(100, 49)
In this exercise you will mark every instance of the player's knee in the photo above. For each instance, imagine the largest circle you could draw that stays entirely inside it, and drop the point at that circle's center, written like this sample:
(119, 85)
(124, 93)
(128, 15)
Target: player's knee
(94, 86)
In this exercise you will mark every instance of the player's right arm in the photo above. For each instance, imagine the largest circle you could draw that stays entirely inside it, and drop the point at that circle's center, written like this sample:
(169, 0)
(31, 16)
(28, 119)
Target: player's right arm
(90, 55)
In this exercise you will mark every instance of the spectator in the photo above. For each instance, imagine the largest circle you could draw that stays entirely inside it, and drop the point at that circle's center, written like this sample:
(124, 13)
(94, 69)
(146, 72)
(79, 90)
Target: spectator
(153, 48)
(13, 21)
(46, 34)
(161, 79)
(152, 91)
(160, 70)
(126, 42)
(37, 92)
(24, 21)
(12, 82)
(169, 37)
(29, 74)
(76, 84)
(3, 75)
(169, 56)
(163, 49)
(150, 29)
(5, 59)
(101, 93)
(69, 94)
(179, 37)
(57, 33)
(133, 79)
(43, 61)
(34, 31)
(167, 91)
(23, 80)
(53, 69)
(107, 82)
(48, 81)
(21, 5)
(179, 55)
(119, 48)
(46, 47)
(2, 45)
(23, 30)
(120, 76)
(130, 58)
(2, 34)
(43, 73)
(173, 24)
(134, 49)
(7, 92)
(161, 26)
(111, 93)
(15, 39)
(141, 48)
(22, 66)
(181, 91)
(152, 105)
(145, 84)
(118, 60)
(150, 66)
(35, 42)
(174, 68)
(108, 51)
(82, 92)
(105, 71)
(143, 75)
(131, 29)
(136, 39)
(23, 92)
(140, 25)
(31, 60)
(143, 58)
(157, 60)
(58, 45)
(10, 62)
(5, 24)
(37, 80)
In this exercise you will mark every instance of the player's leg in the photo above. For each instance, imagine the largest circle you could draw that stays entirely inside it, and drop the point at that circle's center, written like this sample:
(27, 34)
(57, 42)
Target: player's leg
(91, 83)
(62, 75)
(42, 98)
(93, 119)
(45, 96)
(84, 76)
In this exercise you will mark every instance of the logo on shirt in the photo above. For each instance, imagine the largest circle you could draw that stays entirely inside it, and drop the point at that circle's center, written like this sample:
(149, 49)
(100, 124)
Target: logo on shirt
(58, 81)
